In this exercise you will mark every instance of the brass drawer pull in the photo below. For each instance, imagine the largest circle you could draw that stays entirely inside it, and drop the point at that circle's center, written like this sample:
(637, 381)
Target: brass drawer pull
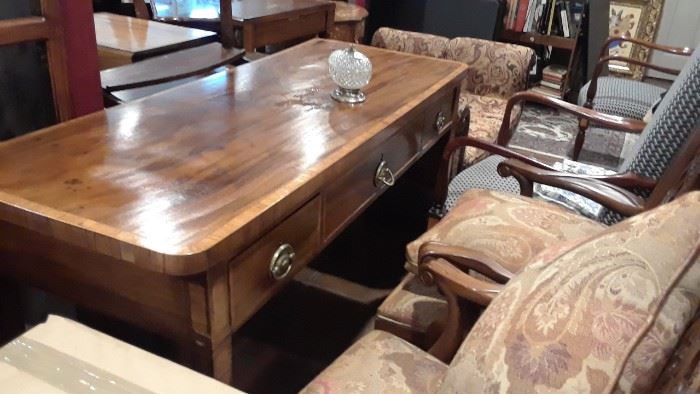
(440, 121)
(383, 175)
(281, 262)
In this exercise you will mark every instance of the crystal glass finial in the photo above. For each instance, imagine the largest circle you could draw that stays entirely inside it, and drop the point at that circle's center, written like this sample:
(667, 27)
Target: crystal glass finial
(351, 70)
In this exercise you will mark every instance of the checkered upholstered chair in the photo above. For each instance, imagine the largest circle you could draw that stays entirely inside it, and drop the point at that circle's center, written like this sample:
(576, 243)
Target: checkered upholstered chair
(496, 71)
(614, 313)
(622, 96)
(659, 140)
(510, 241)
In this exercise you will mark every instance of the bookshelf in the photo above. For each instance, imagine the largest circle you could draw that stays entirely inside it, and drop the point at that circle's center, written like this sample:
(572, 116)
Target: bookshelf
(555, 50)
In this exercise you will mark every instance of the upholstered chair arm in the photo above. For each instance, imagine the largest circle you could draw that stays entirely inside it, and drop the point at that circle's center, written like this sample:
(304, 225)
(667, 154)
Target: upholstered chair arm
(612, 122)
(410, 42)
(610, 196)
(457, 287)
(495, 68)
(465, 259)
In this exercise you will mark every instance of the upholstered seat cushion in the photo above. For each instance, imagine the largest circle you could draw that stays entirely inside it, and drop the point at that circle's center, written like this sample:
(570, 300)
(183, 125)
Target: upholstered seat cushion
(413, 306)
(380, 363)
(622, 97)
(509, 228)
(604, 316)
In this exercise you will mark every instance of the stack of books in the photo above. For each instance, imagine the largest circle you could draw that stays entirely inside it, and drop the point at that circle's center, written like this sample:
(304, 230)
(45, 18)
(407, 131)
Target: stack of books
(549, 17)
(553, 78)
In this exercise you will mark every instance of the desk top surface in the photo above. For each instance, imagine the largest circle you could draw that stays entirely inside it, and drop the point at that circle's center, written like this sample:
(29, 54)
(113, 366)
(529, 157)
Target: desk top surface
(179, 179)
(241, 10)
(141, 36)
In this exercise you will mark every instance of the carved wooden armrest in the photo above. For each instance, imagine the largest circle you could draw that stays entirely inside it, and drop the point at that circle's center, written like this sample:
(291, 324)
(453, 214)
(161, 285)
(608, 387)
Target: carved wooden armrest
(604, 58)
(612, 122)
(465, 259)
(437, 211)
(595, 188)
(664, 48)
(457, 287)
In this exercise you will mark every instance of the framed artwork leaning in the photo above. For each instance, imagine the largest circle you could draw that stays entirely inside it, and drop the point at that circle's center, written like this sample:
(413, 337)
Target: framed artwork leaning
(637, 19)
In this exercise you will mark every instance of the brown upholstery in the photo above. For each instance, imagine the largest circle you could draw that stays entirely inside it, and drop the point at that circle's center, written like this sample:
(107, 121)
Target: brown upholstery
(496, 71)
(605, 315)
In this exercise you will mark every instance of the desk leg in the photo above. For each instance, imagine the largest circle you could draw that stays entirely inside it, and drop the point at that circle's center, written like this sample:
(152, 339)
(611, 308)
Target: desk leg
(249, 37)
(209, 349)
(11, 316)
(215, 360)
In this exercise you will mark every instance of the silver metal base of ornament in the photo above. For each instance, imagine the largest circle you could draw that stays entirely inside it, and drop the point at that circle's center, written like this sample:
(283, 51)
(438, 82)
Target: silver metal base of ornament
(350, 96)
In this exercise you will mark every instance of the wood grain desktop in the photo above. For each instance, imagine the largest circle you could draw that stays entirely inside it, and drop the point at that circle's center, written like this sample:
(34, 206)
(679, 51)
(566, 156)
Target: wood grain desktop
(167, 212)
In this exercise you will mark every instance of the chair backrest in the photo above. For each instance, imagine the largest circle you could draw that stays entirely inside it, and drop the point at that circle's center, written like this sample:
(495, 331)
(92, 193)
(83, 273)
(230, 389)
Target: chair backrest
(495, 68)
(606, 314)
(669, 130)
(410, 42)
(225, 14)
(671, 125)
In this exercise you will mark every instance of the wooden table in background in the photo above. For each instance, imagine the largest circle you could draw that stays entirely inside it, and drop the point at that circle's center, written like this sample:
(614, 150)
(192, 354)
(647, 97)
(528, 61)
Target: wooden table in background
(122, 40)
(172, 212)
(261, 22)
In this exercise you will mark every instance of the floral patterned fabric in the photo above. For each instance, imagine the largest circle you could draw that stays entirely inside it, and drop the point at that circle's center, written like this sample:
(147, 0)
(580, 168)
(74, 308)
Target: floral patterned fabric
(380, 363)
(604, 316)
(410, 42)
(511, 229)
(485, 122)
(413, 306)
(495, 69)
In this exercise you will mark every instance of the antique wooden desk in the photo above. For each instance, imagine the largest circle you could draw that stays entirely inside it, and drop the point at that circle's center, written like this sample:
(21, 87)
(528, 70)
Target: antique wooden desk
(122, 40)
(183, 213)
(260, 22)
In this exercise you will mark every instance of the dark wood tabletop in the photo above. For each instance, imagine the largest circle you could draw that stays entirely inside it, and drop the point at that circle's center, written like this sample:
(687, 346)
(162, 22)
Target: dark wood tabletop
(243, 10)
(174, 181)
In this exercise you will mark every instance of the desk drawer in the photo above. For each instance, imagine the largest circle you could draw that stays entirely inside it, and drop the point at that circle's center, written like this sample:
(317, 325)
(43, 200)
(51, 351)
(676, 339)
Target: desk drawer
(250, 275)
(437, 118)
(280, 30)
(351, 193)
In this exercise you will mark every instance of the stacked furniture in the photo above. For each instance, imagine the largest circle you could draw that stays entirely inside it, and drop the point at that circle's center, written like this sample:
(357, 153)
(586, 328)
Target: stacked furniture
(496, 71)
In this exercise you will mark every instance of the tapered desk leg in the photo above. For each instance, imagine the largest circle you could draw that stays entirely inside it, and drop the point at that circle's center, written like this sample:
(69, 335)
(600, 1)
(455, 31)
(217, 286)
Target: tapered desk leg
(210, 349)
(11, 316)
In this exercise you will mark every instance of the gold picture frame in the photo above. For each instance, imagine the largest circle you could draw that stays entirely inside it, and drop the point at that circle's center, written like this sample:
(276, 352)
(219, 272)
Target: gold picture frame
(637, 19)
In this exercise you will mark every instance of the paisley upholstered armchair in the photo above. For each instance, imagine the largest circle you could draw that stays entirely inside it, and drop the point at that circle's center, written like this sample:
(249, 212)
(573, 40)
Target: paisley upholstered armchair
(496, 72)
(614, 312)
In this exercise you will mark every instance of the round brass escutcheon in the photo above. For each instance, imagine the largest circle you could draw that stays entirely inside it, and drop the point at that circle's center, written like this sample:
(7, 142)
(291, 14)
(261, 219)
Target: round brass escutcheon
(440, 121)
(383, 175)
(281, 261)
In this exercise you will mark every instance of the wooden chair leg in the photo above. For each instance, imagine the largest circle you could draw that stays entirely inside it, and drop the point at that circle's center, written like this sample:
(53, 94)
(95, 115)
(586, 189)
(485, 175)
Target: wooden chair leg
(580, 138)
(461, 315)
